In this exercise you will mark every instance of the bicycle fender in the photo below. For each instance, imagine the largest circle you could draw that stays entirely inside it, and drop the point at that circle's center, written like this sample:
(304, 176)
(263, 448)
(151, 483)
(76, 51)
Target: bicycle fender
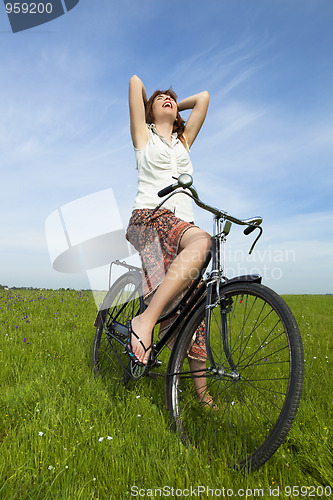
(254, 278)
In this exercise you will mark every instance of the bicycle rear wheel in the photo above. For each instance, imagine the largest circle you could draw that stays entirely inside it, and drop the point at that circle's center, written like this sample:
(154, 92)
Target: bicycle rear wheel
(254, 375)
(121, 304)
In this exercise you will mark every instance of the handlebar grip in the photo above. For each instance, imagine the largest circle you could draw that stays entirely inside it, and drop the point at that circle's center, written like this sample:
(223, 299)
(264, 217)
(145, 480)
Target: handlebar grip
(166, 190)
(249, 229)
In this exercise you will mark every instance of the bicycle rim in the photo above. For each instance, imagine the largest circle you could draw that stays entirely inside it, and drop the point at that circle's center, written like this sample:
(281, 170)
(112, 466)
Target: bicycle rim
(121, 304)
(257, 385)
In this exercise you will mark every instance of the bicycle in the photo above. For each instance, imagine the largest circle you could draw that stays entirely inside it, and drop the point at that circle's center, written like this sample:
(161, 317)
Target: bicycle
(255, 364)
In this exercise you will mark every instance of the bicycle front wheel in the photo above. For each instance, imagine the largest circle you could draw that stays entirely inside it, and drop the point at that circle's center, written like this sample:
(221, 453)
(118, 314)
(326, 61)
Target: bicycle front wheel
(252, 377)
(121, 304)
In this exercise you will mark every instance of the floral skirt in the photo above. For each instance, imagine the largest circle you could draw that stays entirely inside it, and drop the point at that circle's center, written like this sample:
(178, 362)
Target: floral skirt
(156, 235)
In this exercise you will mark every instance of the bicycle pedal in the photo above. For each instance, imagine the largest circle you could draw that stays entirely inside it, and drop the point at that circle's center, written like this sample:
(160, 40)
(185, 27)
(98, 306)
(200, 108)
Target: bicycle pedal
(154, 363)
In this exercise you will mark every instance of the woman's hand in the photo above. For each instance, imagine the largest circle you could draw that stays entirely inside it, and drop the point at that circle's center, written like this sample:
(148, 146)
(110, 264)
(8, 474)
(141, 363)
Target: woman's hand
(137, 99)
(199, 105)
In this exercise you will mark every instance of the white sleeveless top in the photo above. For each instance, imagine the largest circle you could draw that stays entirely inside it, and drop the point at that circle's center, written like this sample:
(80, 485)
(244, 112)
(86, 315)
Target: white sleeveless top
(157, 163)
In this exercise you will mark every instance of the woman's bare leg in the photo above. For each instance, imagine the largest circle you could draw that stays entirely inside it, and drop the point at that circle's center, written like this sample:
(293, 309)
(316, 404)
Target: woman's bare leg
(200, 381)
(194, 247)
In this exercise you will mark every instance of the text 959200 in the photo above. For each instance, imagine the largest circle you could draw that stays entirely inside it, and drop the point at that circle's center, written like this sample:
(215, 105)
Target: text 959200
(29, 8)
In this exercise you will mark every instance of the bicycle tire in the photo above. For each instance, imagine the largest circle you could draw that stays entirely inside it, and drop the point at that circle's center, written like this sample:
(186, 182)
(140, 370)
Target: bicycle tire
(252, 415)
(109, 359)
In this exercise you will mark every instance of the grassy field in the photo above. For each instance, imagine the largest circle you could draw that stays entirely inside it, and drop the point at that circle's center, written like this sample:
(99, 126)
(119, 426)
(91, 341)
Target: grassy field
(66, 435)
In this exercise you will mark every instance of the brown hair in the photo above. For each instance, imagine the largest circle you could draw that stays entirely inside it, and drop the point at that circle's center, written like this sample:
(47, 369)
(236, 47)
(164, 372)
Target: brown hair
(179, 123)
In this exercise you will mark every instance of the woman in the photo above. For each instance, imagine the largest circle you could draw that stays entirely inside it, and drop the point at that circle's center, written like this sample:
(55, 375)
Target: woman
(162, 141)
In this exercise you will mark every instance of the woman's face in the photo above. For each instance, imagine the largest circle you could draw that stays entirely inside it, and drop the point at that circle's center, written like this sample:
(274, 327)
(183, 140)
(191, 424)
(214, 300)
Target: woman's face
(164, 106)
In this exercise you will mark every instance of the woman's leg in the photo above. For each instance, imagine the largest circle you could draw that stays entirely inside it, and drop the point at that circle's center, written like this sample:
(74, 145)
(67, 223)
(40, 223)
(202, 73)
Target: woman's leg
(194, 247)
(200, 382)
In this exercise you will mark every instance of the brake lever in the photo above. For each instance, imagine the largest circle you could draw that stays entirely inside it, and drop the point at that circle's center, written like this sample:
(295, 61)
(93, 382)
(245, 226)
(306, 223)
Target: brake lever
(257, 238)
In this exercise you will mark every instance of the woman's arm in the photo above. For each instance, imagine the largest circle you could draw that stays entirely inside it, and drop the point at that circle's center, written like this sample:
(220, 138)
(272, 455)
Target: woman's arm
(137, 99)
(199, 105)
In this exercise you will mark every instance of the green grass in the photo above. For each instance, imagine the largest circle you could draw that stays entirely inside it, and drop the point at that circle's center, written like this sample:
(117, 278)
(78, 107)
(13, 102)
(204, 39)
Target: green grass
(65, 434)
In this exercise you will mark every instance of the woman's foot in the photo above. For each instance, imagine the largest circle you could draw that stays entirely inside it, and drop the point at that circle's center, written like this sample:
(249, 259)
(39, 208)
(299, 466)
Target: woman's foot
(207, 401)
(141, 340)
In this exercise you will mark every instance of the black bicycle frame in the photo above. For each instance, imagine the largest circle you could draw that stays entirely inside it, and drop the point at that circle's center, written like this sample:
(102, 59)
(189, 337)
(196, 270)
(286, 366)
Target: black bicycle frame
(192, 300)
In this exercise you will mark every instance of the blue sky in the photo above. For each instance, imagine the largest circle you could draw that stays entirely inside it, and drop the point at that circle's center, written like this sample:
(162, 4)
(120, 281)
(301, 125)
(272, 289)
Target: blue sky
(265, 148)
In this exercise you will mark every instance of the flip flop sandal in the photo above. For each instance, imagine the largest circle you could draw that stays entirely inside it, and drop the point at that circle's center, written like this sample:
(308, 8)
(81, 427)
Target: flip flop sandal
(209, 405)
(129, 349)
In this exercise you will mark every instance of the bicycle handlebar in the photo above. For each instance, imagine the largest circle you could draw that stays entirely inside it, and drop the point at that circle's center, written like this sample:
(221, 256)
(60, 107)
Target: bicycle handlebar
(166, 190)
(185, 181)
(249, 229)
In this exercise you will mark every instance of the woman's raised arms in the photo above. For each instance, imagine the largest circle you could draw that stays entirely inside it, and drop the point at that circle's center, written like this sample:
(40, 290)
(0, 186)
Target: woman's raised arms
(137, 99)
(199, 105)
